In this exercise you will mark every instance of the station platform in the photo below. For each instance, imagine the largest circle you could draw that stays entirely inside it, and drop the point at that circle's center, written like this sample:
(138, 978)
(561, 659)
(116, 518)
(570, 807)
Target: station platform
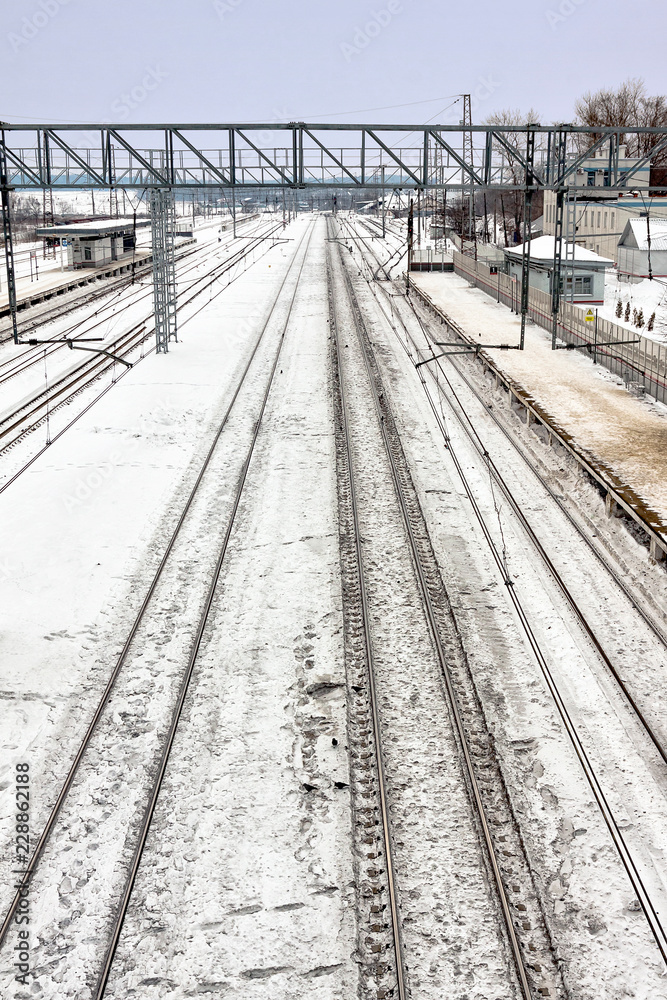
(55, 282)
(620, 439)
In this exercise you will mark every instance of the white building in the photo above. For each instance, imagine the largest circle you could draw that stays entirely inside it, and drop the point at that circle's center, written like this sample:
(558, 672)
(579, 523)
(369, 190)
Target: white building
(93, 244)
(582, 274)
(599, 213)
(634, 253)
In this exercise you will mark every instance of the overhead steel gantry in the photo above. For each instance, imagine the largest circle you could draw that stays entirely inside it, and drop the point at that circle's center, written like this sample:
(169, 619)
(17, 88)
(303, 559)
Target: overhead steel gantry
(300, 155)
(320, 156)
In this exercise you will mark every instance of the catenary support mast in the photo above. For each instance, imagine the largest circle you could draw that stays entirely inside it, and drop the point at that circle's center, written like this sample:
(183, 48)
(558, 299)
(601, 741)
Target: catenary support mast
(163, 225)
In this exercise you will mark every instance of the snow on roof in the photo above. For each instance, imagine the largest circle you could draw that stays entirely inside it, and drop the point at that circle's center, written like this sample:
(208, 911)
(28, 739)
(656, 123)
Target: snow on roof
(542, 248)
(639, 228)
(91, 228)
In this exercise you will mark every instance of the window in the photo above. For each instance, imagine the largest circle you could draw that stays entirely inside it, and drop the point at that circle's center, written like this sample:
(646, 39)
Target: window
(87, 253)
(605, 220)
(591, 178)
(612, 219)
(582, 285)
(599, 218)
(585, 220)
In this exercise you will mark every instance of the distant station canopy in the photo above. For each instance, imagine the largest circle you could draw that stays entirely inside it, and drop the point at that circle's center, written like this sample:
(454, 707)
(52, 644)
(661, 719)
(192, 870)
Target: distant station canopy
(93, 244)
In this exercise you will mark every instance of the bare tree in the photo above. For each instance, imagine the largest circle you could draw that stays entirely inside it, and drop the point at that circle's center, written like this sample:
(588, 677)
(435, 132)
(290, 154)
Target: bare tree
(510, 205)
(629, 106)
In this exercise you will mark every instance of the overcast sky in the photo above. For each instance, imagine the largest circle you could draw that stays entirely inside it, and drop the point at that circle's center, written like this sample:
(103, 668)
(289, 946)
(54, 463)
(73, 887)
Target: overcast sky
(318, 60)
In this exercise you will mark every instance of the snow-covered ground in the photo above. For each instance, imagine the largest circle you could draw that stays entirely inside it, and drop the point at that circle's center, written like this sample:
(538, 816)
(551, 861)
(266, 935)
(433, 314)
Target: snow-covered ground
(247, 887)
(649, 296)
(584, 884)
(623, 433)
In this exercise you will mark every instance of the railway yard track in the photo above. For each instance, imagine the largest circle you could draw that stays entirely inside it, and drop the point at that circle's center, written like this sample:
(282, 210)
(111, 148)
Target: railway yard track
(38, 314)
(41, 404)
(526, 939)
(482, 734)
(123, 727)
(410, 326)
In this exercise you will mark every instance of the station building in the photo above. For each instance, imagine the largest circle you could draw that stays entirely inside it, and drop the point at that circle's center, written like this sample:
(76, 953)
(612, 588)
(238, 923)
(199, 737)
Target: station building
(643, 248)
(599, 213)
(586, 269)
(94, 244)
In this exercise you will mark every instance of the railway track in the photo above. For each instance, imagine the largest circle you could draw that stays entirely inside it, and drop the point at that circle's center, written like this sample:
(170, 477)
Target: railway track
(186, 262)
(33, 412)
(445, 390)
(105, 772)
(39, 316)
(465, 422)
(534, 971)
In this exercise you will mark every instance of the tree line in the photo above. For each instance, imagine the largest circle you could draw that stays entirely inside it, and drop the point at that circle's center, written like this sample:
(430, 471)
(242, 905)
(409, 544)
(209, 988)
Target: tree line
(628, 107)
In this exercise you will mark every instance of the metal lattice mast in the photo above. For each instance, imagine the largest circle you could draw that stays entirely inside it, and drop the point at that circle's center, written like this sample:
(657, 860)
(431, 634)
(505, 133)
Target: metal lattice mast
(7, 236)
(527, 231)
(469, 237)
(163, 226)
(559, 167)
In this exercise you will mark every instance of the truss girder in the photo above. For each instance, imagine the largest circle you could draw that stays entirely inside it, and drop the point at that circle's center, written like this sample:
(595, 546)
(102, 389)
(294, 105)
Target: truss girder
(658, 148)
(310, 155)
(67, 149)
(467, 168)
(393, 156)
(516, 153)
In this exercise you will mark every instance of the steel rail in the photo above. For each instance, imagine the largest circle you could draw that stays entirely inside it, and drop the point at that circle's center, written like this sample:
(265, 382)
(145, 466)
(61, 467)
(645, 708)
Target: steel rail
(149, 811)
(624, 853)
(515, 947)
(470, 430)
(369, 655)
(183, 261)
(15, 365)
(117, 283)
(90, 370)
(36, 354)
(25, 879)
(107, 388)
(660, 634)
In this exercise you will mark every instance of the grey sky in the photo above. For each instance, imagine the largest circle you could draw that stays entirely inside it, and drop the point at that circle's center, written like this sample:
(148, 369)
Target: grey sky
(259, 60)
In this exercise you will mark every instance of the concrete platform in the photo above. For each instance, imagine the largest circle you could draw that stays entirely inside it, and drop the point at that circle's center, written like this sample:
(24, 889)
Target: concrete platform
(619, 438)
(56, 282)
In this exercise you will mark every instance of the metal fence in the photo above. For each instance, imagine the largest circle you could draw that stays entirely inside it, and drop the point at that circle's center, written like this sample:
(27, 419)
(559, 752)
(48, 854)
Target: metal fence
(639, 361)
(430, 259)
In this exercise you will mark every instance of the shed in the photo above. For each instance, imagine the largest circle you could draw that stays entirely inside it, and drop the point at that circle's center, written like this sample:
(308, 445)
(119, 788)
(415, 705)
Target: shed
(93, 244)
(583, 267)
(633, 249)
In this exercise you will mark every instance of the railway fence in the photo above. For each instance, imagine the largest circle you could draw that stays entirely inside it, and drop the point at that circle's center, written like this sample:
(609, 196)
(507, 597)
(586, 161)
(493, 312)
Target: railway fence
(639, 361)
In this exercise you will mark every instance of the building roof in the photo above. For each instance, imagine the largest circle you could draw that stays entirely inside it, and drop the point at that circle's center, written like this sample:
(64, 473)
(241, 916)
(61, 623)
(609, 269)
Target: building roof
(105, 228)
(636, 234)
(542, 249)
